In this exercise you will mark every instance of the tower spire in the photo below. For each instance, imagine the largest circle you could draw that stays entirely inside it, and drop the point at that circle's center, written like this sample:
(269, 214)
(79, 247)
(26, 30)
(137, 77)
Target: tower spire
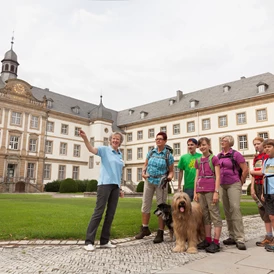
(12, 39)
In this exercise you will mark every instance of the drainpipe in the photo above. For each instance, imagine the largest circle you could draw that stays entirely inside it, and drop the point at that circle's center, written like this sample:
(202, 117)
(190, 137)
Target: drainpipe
(198, 125)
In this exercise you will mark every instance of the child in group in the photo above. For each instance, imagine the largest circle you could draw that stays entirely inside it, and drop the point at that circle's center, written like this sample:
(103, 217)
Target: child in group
(257, 188)
(206, 192)
(268, 187)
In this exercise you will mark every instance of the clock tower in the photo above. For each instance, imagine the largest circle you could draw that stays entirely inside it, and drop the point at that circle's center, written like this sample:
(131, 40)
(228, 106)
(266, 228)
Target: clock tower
(9, 65)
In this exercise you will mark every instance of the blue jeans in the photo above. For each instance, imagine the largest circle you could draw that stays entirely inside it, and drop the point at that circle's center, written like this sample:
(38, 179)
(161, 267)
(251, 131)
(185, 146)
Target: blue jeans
(190, 193)
(107, 195)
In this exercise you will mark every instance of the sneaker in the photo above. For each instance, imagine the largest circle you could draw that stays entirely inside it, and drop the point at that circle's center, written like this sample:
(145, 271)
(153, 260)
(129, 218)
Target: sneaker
(159, 237)
(213, 248)
(229, 241)
(89, 247)
(267, 240)
(241, 246)
(144, 231)
(203, 245)
(108, 245)
(270, 248)
(270, 244)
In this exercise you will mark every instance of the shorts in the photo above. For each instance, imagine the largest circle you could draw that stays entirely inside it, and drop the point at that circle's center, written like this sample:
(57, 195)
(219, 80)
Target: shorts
(269, 203)
(149, 189)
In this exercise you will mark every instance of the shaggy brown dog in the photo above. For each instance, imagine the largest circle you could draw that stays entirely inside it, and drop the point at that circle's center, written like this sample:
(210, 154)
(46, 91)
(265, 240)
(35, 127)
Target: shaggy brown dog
(188, 223)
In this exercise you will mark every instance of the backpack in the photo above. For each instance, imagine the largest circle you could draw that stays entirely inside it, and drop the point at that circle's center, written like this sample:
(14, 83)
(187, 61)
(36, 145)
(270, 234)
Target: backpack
(209, 162)
(234, 163)
(168, 151)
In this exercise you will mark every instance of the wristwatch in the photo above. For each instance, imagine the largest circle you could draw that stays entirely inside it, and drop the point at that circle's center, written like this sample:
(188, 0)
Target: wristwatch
(216, 190)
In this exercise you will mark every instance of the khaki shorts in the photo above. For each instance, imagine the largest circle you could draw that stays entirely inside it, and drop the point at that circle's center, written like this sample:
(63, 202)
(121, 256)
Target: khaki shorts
(211, 212)
(149, 189)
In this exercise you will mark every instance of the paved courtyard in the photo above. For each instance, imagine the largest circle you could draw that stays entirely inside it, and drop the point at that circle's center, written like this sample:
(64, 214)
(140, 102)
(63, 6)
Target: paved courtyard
(130, 256)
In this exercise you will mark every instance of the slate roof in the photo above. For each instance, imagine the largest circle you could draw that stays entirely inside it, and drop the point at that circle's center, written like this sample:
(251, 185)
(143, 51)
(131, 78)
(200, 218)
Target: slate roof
(208, 97)
(65, 104)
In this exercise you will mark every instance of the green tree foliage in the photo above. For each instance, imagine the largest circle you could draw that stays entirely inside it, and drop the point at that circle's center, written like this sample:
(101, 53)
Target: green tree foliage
(140, 186)
(52, 186)
(92, 186)
(82, 185)
(68, 185)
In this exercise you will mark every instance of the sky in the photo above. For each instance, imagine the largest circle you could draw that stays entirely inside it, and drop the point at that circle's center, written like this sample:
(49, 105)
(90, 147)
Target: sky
(134, 52)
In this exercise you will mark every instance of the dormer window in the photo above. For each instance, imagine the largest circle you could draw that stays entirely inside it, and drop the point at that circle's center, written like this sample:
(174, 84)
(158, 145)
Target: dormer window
(130, 112)
(49, 103)
(171, 102)
(193, 103)
(76, 109)
(226, 88)
(143, 114)
(262, 87)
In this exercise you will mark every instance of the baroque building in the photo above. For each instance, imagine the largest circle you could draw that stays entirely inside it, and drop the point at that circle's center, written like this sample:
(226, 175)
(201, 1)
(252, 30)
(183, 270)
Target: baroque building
(39, 128)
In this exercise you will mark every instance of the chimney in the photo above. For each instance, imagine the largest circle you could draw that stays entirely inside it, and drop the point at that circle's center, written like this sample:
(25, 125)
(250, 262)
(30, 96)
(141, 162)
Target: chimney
(179, 95)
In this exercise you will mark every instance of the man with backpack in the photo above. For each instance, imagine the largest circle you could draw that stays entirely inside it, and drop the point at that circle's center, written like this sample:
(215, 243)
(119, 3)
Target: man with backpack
(157, 170)
(233, 171)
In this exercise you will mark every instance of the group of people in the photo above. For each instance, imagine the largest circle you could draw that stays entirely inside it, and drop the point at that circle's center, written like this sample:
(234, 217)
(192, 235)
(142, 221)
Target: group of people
(207, 179)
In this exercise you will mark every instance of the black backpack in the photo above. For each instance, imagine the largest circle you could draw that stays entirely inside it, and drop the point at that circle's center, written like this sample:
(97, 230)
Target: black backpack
(235, 165)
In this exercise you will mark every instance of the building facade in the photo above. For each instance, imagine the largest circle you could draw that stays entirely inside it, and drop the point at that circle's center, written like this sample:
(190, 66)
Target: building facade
(39, 129)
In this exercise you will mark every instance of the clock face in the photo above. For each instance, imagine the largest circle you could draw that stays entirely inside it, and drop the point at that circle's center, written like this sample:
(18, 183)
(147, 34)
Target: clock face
(19, 88)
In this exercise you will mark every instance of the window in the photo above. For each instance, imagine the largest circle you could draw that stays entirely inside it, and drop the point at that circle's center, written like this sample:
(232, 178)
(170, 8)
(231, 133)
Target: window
(64, 129)
(151, 133)
(139, 174)
(129, 174)
(76, 131)
(75, 172)
(261, 88)
(14, 142)
(139, 153)
(47, 171)
(91, 162)
(176, 129)
(50, 126)
(49, 147)
(223, 121)
(139, 135)
(63, 148)
(76, 150)
(62, 172)
(92, 141)
(263, 135)
(129, 136)
(190, 126)
(129, 154)
(242, 139)
(30, 170)
(49, 104)
(163, 129)
(177, 149)
(206, 124)
(176, 173)
(34, 122)
(32, 145)
(16, 118)
(261, 115)
(106, 142)
(241, 118)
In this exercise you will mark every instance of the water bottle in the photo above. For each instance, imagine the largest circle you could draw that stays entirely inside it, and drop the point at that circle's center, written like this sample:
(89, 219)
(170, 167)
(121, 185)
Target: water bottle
(258, 202)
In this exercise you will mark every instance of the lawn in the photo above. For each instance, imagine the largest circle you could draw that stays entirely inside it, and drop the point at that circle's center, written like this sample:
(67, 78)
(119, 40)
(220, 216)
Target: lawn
(34, 216)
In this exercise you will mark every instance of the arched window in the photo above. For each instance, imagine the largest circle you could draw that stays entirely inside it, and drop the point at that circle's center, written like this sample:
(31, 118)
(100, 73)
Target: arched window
(7, 67)
(12, 68)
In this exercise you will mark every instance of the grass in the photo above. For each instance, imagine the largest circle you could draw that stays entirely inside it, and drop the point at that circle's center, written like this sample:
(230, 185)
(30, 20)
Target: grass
(29, 216)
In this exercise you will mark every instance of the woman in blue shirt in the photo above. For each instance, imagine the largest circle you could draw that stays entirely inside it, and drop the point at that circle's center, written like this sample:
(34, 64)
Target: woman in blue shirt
(108, 189)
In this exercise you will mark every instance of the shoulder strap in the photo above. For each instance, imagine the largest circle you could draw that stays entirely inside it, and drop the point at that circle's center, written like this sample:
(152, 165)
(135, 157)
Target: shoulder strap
(210, 163)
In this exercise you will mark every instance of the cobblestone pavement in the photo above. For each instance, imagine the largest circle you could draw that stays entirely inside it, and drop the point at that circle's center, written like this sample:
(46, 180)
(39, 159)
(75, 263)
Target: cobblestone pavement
(130, 256)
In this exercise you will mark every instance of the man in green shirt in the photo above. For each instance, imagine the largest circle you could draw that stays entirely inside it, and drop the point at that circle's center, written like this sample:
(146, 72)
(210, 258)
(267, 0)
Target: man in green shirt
(187, 164)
